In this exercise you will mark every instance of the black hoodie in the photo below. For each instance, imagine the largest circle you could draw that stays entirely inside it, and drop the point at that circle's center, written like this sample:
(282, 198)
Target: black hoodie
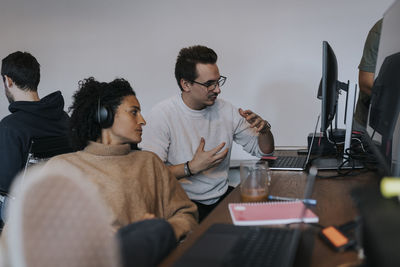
(28, 120)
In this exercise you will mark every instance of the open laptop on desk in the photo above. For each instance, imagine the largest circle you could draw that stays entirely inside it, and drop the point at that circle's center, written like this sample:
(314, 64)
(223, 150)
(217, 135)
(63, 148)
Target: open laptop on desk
(230, 245)
(293, 163)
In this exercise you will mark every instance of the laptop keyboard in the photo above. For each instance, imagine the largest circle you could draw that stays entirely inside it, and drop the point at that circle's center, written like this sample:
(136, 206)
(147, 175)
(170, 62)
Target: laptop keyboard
(289, 162)
(260, 247)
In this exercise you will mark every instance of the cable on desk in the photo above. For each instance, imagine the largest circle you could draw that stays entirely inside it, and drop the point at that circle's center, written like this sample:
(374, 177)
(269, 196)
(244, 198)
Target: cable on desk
(358, 151)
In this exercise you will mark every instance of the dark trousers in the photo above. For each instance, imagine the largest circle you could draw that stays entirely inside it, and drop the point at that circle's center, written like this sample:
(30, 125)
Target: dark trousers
(146, 243)
(204, 210)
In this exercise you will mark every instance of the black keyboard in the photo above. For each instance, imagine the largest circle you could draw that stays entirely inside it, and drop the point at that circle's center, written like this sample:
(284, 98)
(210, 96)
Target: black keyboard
(288, 162)
(242, 246)
(260, 247)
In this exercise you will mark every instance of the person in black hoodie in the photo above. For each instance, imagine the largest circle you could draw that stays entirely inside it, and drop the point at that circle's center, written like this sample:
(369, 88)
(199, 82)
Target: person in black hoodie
(31, 117)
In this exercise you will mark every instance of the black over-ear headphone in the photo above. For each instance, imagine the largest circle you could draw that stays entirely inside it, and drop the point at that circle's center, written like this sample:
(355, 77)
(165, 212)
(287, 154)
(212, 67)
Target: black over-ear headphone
(104, 116)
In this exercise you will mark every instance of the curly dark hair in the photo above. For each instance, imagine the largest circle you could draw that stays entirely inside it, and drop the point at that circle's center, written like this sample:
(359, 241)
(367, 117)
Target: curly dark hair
(83, 124)
(185, 67)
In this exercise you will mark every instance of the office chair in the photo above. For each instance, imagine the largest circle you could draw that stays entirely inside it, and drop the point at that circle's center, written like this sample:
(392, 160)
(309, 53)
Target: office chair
(41, 149)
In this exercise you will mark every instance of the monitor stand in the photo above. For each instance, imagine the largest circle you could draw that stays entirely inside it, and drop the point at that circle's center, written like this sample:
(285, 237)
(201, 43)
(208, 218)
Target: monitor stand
(335, 163)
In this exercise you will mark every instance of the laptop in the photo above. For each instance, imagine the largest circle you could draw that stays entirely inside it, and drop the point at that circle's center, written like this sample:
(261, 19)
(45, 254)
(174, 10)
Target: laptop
(230, 245)
(293, 163)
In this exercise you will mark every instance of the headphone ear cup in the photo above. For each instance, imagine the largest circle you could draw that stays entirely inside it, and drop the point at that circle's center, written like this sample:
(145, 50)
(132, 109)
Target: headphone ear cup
(105, 117)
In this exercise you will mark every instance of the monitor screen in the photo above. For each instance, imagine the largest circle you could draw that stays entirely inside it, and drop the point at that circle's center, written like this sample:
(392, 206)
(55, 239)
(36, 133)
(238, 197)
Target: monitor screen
(329, 86)
(383, 129)
(328, 92)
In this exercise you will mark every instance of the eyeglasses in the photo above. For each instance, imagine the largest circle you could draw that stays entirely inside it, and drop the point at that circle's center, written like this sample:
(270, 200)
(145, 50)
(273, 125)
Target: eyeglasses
(213, 84)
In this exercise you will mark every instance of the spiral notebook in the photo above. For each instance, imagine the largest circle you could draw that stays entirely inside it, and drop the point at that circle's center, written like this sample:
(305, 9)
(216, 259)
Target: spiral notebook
(268, 213)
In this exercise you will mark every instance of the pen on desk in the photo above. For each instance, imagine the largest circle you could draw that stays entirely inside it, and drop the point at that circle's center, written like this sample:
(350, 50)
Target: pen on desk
(304, 200)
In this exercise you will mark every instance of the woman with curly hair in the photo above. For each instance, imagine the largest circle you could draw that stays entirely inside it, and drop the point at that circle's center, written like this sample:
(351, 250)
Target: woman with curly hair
(106, 124)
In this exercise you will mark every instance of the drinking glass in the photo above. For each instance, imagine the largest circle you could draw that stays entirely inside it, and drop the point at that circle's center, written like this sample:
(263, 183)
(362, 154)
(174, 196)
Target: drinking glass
(255, 178)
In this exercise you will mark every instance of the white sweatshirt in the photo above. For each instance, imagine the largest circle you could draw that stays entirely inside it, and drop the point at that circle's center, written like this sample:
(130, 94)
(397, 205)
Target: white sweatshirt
(173, 132)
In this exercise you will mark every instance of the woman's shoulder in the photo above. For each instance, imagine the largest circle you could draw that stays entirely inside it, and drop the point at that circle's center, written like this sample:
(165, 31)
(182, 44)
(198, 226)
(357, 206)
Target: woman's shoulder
(64, 162)
(147, 160)
(146, 155)
(64, 157)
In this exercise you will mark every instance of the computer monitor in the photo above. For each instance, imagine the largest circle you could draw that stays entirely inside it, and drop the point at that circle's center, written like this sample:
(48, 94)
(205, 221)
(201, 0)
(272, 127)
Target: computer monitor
(329, 88)
(328, 92)
(383, 129)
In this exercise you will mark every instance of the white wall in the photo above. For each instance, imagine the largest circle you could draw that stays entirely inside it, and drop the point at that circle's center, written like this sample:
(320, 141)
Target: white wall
(270, 50)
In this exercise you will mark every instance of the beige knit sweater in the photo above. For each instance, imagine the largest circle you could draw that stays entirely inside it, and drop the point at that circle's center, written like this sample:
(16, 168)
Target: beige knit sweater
(132, 183)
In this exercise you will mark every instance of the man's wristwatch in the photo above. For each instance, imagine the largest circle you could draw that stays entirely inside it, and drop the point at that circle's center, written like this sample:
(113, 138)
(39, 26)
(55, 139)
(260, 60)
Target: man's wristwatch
(266, 128)
(187, 169)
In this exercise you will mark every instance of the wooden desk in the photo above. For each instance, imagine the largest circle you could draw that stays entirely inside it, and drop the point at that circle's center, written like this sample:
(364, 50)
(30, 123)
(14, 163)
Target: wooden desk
(334, 207)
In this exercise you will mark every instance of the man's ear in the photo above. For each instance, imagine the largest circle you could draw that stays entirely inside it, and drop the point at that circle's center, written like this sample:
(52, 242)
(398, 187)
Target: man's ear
(185, 85)
(8, 81)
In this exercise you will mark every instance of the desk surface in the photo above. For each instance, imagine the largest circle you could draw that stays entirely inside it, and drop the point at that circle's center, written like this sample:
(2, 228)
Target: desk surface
(335, 207)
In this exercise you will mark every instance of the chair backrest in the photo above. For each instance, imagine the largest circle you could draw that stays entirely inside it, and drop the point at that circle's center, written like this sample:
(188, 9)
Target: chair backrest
(44, 148)
(41, 149)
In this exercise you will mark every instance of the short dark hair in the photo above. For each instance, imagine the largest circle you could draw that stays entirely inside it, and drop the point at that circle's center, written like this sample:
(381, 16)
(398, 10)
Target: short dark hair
(23, 69)
(83, 125)
(185, 67)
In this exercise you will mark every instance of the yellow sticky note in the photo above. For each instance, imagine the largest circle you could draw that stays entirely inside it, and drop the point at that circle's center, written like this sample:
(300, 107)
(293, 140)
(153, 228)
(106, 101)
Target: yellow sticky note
(390, 186)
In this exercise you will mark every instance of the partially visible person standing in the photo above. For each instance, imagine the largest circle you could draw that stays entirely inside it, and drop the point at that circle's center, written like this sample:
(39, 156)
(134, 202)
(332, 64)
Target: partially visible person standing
(31, 117)
(366, 74)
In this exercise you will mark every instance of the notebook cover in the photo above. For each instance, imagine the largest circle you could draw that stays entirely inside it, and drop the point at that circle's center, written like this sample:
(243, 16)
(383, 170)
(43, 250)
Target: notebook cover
(268, 213)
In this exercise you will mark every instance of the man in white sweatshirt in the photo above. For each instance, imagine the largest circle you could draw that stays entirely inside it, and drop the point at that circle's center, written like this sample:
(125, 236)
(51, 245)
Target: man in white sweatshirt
(193, 132)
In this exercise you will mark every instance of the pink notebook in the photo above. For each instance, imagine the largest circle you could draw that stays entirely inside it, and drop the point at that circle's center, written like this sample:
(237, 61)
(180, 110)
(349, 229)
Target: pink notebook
(267, 213)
